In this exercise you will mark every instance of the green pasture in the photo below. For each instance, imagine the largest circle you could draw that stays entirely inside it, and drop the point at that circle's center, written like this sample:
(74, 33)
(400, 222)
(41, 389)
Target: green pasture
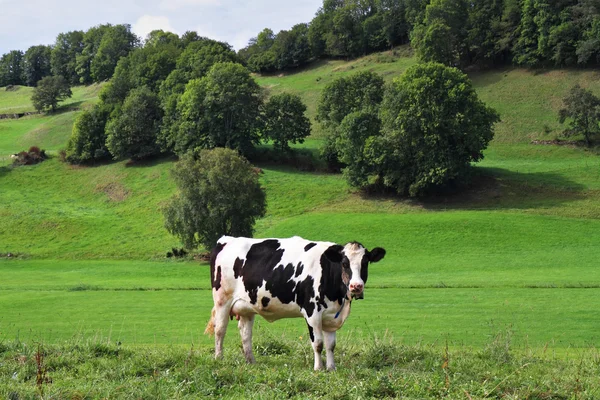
(18, 99)
(515, 252)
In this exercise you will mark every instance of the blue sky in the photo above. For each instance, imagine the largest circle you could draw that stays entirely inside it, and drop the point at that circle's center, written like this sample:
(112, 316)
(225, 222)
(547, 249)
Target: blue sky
(24, 23)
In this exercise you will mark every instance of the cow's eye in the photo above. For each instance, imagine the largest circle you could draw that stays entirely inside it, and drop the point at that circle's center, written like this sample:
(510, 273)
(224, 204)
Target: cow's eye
(346, 264)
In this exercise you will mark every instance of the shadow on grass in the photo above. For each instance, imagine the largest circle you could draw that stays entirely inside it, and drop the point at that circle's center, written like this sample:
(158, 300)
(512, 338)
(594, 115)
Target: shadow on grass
(497, 188)
(151, 162)
(4, 170)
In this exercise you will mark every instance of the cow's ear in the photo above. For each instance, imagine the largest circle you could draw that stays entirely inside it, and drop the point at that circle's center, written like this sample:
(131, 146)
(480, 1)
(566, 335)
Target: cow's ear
(334, 253)
(376, 254)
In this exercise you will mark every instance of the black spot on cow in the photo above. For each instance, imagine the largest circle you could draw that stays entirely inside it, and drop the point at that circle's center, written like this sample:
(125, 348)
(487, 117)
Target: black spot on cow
(311, 332)
(364, 268)
(213, 257)
(304, 295)
(332, 283)
(280, 283)
(265, 301)
(299, 269)
(216, 284)
(309, 246)
(237, 267)
(261, 260)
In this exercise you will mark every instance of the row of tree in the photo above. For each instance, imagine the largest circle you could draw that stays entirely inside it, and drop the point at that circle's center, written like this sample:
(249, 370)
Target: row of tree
(79, 57)
(454, 32)
(177, 94)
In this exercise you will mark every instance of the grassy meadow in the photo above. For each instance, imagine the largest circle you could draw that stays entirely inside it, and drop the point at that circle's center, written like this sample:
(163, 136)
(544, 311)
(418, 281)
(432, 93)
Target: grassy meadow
(505, 274)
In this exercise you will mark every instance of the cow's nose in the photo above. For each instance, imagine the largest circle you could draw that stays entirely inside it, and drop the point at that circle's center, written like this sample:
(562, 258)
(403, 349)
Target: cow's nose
(356, 287)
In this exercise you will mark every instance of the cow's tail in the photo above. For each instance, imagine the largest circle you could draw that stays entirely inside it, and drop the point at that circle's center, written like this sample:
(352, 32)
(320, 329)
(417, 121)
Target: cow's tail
(210, 327)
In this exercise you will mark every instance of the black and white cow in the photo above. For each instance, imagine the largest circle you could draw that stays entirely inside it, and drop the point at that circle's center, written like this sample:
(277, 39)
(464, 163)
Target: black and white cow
(286, 278)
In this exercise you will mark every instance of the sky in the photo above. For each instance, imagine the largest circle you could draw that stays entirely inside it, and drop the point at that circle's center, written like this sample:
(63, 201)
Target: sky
(25, 23)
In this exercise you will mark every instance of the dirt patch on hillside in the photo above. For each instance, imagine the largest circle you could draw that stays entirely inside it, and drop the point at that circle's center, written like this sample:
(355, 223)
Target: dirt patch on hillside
(113, 190)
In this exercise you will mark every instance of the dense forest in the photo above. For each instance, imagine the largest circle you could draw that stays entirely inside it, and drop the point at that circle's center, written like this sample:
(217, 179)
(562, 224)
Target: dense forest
(485, 33)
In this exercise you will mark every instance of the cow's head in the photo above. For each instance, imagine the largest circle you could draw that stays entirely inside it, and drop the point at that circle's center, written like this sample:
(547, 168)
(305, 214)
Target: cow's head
(355, 259)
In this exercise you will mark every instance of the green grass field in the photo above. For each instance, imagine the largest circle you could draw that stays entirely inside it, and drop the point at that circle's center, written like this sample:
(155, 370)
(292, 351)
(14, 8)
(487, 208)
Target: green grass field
(517, 252)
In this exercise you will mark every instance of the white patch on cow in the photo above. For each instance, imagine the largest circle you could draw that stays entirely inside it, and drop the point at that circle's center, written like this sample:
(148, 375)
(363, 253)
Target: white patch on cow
(355, 253)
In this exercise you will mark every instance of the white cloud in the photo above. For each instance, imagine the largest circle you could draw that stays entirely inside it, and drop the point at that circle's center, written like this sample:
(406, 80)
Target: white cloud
(177, 4)
(148, 23)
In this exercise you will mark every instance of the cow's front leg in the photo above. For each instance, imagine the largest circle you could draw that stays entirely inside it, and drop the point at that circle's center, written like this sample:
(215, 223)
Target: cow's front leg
(315, 331)
(329, 348)
(245, 325)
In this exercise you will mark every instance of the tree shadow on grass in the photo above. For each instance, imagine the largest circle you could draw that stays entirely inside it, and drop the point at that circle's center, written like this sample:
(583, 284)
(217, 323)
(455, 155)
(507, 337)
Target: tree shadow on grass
(4, 170)
(151, 162)
(497, 188)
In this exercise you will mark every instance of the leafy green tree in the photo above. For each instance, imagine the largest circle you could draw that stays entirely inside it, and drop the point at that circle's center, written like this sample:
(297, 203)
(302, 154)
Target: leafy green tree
(484, 30)
(133, 132)
(442, 36)
(582, 109)
(11, 68)
(395, 26)
(49, 92)
(588, 48)
(158, 37)
(220, 110)
(91, 42)
(88, 138)
(434, 43)
(218, 194)
(36, 64)
(63, 60)
(285, 120)
(434, 126)
(360, 91)
(353, 140)
(117, 42)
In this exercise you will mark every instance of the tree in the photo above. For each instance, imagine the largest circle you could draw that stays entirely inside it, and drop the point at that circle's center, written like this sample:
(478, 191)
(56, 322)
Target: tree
(117, 42)
(11, 68)
(88, 138)
(133, 132)
(285, 120)
(582, 107)
(362, 91)
(354, 135)
(220, 110)
(49, 92)
(433, 127)
(219, 194)
(91, 42)
(63, 60)
(36, 64)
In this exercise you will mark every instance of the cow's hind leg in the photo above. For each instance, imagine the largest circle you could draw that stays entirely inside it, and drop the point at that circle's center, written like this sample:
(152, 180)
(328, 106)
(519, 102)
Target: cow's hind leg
(329, 348)
(315, 331)
(245, 325)
(220, 322)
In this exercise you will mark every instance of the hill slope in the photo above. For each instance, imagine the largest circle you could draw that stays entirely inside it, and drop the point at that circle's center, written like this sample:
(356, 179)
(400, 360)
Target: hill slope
(515, 250)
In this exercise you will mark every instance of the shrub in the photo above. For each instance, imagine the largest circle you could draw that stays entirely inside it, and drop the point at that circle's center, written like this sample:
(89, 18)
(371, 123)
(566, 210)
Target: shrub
(433, 127)
(33, 156)
(88, 140)
(219, 194)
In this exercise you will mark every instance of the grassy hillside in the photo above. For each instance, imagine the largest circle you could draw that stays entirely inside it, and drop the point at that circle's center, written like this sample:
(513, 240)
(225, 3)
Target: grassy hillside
(517, 251)
(18, 98)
